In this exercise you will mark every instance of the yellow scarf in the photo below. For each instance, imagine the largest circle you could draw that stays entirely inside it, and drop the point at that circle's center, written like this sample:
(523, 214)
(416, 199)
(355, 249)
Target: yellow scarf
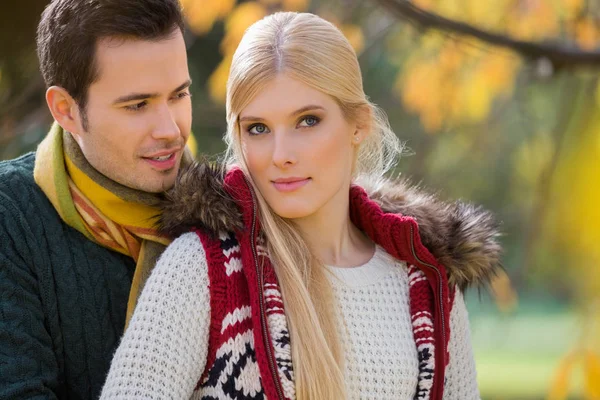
(106, 212)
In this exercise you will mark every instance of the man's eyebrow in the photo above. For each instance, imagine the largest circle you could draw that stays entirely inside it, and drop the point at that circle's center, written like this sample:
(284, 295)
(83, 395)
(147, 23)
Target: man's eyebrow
(298, 111)
(184, 85)
(143, 96)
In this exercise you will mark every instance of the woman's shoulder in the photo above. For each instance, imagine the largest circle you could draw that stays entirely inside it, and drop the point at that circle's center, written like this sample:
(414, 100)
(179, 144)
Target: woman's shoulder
(184, 256)
(199, 201)
(463, 237)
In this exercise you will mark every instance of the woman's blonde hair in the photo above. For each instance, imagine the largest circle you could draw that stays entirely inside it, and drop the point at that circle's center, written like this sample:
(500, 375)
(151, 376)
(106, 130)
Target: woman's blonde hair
(313, 51)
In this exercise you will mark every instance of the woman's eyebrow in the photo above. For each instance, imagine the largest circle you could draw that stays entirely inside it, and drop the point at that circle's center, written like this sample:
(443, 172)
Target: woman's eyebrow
(301, 110)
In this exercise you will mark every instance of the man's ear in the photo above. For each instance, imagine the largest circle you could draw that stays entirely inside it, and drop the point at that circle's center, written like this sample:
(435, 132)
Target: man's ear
(64, 109)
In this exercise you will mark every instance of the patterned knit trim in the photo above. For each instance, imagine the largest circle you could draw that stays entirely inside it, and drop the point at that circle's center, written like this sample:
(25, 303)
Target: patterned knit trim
(281, 339)
(423, 330)
(235, 374)
(232, 371)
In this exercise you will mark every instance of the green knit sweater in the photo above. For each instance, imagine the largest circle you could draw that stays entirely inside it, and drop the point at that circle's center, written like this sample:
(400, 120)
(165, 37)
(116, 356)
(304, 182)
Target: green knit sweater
(62, 298)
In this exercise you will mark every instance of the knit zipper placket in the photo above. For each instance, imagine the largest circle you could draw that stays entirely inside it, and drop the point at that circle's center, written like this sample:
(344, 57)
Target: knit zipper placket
(263, 313)
(440, 286)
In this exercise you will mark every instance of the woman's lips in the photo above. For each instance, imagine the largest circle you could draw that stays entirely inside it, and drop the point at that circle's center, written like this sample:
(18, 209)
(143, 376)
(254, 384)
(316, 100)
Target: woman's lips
(290, 184)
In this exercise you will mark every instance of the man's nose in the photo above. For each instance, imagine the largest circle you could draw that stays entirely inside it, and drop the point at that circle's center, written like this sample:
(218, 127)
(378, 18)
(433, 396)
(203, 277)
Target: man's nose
(166, 127)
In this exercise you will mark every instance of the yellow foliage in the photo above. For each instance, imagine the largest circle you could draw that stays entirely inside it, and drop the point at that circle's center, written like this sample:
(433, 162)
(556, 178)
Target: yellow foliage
(569, 9)
(192, 144)
(419, 91)
(533, 20)
(217, 82)
(447, 84)
(354, 35)
(587, 34)
(559, 388)
(499, 70)
(505, 296)
(202, 14)
(575, 224)
(270, 3)
(576, 215)
(295, 5)
(592, 375)
(476, 98)
(532, 158)
(450, 8)
(589, 360)
(237, 22)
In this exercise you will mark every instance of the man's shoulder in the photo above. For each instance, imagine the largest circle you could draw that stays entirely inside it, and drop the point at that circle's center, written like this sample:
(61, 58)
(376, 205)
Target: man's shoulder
(18, 191)
(17, 172)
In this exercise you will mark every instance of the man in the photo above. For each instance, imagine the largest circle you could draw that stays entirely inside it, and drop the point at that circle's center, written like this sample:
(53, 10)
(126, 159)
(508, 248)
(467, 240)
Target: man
(76, 217)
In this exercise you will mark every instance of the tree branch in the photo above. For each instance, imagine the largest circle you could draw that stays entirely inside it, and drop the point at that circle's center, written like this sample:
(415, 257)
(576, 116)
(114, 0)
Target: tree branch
(561, 56)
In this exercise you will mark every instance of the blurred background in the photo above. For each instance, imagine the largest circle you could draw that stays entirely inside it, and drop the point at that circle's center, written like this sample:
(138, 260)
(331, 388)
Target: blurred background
(499, 102)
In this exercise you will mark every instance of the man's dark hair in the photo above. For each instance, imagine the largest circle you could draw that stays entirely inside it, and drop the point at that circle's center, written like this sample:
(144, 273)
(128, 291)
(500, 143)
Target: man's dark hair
(69, 31)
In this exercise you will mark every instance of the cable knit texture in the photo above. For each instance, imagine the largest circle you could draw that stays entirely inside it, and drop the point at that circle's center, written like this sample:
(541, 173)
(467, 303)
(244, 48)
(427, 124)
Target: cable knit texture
(163, 353)
(62, 297)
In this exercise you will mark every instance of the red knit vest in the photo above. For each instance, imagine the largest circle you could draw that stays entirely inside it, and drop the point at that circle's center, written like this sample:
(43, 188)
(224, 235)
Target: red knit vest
(249, 350)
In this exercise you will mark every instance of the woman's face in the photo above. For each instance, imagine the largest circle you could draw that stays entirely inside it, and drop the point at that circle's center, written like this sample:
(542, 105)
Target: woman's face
(298, 147)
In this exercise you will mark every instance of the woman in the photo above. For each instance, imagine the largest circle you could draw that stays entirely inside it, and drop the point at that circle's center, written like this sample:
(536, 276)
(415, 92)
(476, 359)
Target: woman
(293, 283)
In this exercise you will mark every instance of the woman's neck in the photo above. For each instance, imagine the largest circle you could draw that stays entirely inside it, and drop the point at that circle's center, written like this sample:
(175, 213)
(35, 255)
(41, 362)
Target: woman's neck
(333, 237)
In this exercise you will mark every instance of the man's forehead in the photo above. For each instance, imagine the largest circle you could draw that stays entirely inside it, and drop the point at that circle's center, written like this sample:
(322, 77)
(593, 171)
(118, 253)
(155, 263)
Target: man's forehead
(115, 48)
(141, 65)
(118, 40)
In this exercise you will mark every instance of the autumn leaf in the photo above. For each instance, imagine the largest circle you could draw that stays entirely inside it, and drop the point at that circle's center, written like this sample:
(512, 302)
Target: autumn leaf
(295, 5)
(505, 296)
(237, 22)
(587, 34)
(559, 387)
(217, 82)
(202, 14)
(592, 375)
(354, 35)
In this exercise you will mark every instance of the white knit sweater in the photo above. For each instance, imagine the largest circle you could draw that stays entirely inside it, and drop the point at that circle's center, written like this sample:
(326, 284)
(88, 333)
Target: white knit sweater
(164, 350)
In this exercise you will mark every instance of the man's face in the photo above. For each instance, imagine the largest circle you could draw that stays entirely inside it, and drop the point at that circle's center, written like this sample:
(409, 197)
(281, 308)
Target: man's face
(139, 112)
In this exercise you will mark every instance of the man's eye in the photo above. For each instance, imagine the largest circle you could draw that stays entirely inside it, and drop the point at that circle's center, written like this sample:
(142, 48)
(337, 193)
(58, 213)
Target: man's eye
(137, 106)
(183, 95)
(258, 129)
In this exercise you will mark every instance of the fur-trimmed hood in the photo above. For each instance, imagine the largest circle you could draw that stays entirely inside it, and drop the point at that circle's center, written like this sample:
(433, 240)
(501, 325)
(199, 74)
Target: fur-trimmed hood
(463, 237)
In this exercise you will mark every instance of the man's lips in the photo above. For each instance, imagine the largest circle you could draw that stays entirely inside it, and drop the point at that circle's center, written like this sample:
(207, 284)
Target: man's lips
(289, 184)
(163, 160)
(163, 153)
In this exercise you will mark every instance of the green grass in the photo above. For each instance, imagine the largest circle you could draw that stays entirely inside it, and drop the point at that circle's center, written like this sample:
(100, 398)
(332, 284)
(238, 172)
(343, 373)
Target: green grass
(519, 376)
(517, 356)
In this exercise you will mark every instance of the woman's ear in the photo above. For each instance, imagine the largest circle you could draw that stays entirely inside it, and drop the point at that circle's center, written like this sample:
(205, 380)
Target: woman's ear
(364, 123)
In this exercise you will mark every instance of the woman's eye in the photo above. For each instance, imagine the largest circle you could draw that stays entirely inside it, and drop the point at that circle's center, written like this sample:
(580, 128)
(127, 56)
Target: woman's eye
(258, 129)
(309, 120)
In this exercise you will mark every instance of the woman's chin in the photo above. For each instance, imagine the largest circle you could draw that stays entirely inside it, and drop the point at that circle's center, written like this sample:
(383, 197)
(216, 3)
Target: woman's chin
(289, 210)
